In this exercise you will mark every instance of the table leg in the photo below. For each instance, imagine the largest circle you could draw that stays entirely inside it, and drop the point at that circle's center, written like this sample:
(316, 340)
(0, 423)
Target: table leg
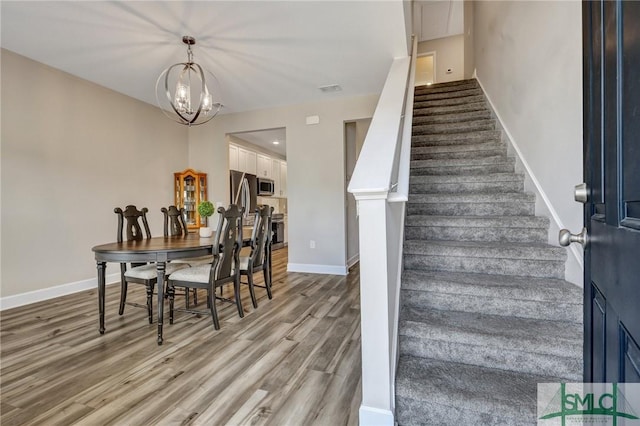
(160, 285)
(102, 266)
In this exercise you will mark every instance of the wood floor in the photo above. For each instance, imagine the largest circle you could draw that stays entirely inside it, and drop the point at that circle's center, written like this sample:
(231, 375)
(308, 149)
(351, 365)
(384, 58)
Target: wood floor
(293, 361)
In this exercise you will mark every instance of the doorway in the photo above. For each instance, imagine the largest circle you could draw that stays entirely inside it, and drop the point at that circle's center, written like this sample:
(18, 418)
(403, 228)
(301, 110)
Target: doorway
(354, 135)
(425, 69)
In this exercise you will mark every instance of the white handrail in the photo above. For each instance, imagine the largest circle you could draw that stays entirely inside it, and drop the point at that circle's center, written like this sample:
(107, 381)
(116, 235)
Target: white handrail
(373, 171)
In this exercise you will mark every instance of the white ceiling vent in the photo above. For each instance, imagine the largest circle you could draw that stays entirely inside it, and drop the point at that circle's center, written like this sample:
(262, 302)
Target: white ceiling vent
(330, 88)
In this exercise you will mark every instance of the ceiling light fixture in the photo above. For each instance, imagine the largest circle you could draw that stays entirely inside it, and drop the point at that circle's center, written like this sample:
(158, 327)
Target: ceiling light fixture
(276, 142)
(188, 79)
(330, 88)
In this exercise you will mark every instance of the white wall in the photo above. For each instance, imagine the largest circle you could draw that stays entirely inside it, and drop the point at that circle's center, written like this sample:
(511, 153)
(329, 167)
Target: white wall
(315, 168)
(449, 55)
(71, 152)
(529, 61)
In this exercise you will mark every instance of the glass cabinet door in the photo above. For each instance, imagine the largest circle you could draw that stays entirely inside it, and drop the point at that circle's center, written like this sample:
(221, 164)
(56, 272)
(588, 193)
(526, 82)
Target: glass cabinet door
(190, 190)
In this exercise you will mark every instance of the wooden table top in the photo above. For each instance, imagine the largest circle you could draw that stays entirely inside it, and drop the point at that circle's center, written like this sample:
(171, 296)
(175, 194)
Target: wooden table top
(156, 244)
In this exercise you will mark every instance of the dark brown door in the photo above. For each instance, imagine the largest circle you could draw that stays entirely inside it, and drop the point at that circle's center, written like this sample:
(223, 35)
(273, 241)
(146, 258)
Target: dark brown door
(611, 41)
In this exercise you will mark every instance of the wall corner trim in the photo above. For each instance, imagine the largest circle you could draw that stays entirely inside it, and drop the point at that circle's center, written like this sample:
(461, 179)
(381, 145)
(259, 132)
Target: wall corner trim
(554, 215)
(318, 269)
(30, 297)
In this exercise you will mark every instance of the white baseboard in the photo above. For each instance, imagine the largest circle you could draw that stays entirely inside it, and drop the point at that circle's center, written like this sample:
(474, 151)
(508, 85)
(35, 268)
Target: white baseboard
(574, 266)
(370, 416)
(318, 269)
(29, 297)
(354, 259)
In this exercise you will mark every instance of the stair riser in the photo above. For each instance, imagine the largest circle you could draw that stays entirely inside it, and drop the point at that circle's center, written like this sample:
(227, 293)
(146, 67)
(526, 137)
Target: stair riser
(461, 162)
(447, 128)
(501, 152)
(452, 118)
(524, 235)
(519, 267)
(472, 209)
(426, 96)
(451, 109)
(452, 149)
(493, 357)
(492, 305)
(411, 412)
(466, 170)
(466, 187)
(464, 138)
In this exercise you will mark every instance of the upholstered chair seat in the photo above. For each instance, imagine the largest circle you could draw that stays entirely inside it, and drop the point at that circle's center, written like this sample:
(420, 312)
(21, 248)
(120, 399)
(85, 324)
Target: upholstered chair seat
(149, 272)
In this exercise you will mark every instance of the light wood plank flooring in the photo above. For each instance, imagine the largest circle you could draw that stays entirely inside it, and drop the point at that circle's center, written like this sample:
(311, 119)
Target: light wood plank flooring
(293, 361)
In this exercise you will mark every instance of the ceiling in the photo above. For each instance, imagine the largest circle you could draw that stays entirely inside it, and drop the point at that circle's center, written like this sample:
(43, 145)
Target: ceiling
(265, 139)
(438, 18)
(263, 53)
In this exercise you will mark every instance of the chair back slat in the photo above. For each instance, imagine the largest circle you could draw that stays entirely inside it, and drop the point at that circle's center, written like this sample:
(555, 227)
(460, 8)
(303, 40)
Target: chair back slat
(261, 235)
(226, 247)
(133, 229)
(174, 223)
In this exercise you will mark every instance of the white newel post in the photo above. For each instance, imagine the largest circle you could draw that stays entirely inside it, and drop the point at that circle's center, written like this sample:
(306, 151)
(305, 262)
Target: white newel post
(377, 397)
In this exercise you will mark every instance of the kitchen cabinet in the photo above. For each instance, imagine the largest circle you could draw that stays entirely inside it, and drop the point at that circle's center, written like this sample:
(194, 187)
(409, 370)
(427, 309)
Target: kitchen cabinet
(233, 157)
(279, 176)
(190, 188)
(283, 179)
(264, 166)
(246, 161)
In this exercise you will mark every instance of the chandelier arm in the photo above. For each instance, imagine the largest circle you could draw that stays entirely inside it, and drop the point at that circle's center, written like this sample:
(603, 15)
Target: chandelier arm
(166, 88)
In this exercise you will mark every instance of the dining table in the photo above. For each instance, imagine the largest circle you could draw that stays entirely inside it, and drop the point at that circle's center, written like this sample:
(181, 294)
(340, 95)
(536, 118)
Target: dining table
(158, 250)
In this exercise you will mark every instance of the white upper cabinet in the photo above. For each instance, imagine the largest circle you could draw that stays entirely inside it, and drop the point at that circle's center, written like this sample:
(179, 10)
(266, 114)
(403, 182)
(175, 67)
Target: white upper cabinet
(264, 166)
(233, 157)
(246, 161)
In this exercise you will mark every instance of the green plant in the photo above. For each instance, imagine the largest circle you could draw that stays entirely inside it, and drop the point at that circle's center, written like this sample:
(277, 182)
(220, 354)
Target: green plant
(205, 209)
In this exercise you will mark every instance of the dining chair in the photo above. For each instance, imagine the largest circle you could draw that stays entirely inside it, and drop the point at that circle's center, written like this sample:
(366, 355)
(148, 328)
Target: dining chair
(260, 254)
(175, 225)
(139, 273)
(223, 270)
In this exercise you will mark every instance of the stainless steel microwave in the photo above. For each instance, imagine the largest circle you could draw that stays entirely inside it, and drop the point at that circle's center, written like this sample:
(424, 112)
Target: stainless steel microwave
(265, 187)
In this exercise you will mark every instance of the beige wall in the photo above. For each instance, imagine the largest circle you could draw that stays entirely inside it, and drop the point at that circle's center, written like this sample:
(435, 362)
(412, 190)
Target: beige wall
(529, 60)
(469, 49)
(71, 152)
(449, 55)
(315, 167)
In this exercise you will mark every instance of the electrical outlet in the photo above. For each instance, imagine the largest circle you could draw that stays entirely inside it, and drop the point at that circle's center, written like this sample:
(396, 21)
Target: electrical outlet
(312, 244)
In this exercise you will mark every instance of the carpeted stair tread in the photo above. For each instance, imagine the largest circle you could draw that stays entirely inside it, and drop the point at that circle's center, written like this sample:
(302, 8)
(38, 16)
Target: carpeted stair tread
(452, 149)
(488, 257)
(498, 152)
(450, 109)
(448, 85)
(461, 178)
(460, 162)
(429, 96)
(470, 126)
(496, 341)
(514, 185)
(472, 198)
(454, 117)
(448, 101)
(510, 287)
(521, 297)
(478, 221)
(433, 392)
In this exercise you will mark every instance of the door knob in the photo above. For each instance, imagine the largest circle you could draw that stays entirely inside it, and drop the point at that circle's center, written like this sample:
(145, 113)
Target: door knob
(565, 237)
(581, 193)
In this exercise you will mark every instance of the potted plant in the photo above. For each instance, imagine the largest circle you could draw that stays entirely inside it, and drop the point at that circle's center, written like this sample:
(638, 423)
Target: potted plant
(205, 209)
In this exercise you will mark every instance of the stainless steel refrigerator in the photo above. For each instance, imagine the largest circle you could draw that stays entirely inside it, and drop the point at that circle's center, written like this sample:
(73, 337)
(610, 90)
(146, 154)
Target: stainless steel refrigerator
(244, 191)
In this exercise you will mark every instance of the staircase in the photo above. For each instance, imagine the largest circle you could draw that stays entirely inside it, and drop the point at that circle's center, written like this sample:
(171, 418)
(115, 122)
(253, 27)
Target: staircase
(485, 311)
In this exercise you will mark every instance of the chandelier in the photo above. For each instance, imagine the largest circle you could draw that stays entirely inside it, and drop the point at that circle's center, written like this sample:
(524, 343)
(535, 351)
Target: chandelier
(191, 100)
